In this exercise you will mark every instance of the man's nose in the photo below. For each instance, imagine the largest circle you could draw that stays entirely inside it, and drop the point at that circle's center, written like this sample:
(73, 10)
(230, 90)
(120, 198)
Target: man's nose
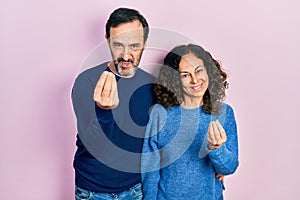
(125, 54)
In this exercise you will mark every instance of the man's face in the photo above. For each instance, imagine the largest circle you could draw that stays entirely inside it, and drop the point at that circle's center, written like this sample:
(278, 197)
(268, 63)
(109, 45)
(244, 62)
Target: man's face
(126, 43)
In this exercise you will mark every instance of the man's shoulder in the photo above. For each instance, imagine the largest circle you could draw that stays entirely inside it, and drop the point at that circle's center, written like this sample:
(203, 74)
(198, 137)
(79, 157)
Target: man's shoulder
(96, 70)
(91, 75)
(144, 75)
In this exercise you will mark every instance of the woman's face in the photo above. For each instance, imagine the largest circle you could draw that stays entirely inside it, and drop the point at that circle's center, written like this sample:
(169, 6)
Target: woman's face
(194, 77)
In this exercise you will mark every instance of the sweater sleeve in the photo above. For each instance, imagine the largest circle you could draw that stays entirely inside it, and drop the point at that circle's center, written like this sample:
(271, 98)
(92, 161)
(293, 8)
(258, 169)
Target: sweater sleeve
(90, 124)
(151, 157)
(225, 159)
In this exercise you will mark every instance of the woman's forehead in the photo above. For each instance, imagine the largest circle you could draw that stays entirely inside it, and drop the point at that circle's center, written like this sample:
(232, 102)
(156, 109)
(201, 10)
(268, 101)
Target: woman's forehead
(190, 61)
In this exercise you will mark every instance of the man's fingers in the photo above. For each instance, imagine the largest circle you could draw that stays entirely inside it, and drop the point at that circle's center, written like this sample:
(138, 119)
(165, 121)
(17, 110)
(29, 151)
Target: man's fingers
(113, 90)
(106, 93)
(99, 86)
(107, 88)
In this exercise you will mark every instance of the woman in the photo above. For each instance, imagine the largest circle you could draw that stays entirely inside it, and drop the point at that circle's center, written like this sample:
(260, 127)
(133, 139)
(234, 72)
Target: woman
(191, 137)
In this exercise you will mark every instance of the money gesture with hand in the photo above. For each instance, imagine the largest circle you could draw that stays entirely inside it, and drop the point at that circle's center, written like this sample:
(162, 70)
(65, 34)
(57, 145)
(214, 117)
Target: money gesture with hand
(216, 136)
(106, 92)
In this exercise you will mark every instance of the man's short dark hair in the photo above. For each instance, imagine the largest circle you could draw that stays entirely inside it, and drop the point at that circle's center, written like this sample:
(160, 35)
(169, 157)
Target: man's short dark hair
(125, 15)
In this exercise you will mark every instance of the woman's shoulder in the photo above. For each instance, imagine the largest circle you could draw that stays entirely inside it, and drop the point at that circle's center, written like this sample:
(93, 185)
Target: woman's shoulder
(226, 113)
(158, 109)
(225, 107)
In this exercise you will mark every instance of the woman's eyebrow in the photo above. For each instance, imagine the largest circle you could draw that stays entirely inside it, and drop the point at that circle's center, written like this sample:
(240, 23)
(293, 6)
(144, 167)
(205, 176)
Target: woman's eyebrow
(181, 72)
(199, 66)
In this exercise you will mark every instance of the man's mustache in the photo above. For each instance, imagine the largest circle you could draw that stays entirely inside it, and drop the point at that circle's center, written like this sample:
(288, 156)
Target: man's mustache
(122, 60)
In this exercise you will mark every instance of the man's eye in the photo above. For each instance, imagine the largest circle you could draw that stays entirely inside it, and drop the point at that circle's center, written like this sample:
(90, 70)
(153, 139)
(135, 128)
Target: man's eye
(135, 46)
(117, 45)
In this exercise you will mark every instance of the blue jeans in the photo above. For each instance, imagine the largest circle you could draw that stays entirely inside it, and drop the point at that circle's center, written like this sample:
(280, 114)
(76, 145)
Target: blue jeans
(134, 193)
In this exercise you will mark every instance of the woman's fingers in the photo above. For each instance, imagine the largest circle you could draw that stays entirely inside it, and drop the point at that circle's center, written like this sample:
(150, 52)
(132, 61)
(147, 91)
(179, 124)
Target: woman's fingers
(223, 135)
(216, 135)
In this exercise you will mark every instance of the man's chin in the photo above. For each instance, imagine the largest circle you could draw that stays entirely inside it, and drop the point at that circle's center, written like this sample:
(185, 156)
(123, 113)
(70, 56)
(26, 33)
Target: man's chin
(127, 72)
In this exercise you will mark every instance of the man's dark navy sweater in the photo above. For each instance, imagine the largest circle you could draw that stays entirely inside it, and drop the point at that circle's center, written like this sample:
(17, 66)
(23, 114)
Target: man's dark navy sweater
(109, 142)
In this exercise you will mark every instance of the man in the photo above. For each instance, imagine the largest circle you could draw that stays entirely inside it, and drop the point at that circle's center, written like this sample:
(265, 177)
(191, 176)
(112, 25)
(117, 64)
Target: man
(111, 102)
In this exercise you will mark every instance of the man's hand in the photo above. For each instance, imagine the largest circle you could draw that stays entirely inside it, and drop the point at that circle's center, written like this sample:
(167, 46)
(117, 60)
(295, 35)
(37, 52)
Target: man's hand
(216, 136)
(106, 92)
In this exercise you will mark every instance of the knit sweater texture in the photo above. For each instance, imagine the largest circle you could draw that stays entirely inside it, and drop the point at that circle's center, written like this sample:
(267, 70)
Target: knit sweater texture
(176, 162)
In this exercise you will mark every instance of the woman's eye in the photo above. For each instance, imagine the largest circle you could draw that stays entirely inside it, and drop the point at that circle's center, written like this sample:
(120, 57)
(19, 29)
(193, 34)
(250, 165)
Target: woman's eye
(199, 70)
(184, 75)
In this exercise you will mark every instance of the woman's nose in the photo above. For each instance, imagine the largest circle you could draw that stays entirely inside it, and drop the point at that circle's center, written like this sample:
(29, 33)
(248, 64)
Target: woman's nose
(194, 78)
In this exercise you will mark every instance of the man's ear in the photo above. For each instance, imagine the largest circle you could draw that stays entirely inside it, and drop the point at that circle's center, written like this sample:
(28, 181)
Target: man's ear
(107, 39)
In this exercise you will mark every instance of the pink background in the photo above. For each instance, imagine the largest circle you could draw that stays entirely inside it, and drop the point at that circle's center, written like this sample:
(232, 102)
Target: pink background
(44, 43)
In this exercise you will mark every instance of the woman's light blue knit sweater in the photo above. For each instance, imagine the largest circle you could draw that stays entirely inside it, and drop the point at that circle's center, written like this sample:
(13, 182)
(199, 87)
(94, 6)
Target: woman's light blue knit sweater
(176, 163)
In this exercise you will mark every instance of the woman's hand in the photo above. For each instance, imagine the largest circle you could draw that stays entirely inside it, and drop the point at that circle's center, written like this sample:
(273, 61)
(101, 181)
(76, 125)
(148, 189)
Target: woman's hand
(220, 177)
(216, 136)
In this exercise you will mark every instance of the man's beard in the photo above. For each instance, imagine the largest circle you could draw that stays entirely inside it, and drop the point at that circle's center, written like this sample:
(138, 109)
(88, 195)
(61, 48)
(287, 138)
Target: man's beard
(129, 73)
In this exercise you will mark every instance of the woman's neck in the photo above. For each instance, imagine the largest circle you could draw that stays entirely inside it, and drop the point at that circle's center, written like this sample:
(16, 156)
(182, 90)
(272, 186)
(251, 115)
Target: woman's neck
(190, 103)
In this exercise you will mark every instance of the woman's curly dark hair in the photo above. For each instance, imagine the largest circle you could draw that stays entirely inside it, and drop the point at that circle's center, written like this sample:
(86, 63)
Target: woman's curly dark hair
(168, 90)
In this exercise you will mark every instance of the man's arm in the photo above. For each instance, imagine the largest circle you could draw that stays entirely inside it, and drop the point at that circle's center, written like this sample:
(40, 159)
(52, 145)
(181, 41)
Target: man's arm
(90, 128)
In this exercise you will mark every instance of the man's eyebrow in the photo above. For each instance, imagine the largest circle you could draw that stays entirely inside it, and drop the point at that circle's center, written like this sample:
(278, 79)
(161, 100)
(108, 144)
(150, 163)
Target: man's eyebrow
(135, 43)
(115, 42)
